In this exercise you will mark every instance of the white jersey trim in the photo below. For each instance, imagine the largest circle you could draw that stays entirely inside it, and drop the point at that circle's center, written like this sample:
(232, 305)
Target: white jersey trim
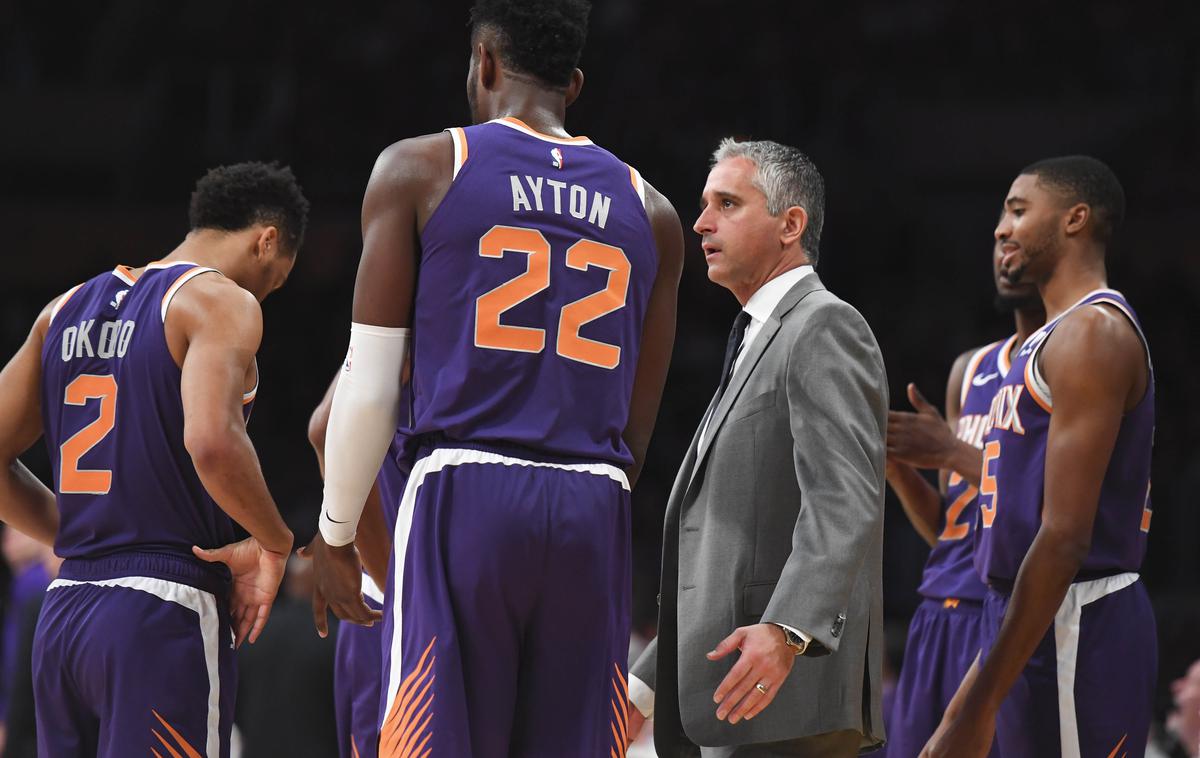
(459, 137)
(524, 128)
(1066, 643)
(182, 280)
(63, 301)
(204, 605)
(969, 373)
(371, 589)
(635, 177)
(1033, 373)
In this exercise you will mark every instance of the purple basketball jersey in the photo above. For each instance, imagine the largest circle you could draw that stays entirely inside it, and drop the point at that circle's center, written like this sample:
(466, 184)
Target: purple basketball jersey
(950, 570)
(113, 420)
(534, 278)
(1014, 468)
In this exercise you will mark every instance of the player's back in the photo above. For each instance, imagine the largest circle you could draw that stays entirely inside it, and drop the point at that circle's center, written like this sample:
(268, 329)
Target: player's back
(114, 422)
(533, 283)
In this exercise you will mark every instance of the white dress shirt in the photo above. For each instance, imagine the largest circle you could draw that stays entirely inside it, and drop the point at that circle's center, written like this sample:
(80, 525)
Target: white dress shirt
(760, 306)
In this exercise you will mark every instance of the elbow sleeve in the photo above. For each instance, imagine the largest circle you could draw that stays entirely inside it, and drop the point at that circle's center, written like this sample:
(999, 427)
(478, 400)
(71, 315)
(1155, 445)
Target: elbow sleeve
(362, 422)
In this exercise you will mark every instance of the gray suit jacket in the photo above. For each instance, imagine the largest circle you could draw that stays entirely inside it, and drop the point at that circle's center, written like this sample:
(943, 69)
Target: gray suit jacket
(778, 517)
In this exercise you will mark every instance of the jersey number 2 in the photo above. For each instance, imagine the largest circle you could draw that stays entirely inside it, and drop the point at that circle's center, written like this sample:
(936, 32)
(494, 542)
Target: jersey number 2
(954, 529)
(72, 479)
(490, 306)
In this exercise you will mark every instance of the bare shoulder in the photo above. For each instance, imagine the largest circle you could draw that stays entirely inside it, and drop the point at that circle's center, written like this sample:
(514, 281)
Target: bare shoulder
(668, 233)
(415, 159)
(213, 300)
(1093, 336)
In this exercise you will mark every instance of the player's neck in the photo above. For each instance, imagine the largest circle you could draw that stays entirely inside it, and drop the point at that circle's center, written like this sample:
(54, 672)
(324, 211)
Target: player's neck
(540, 110)
(208, 248)
(1028, 320)
(1073, 277)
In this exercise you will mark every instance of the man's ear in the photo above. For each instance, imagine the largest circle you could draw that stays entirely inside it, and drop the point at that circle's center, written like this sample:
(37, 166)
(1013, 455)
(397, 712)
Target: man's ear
(1078, 217)
(267, 242)
(795, 221)
(489, 66)
(575, 86)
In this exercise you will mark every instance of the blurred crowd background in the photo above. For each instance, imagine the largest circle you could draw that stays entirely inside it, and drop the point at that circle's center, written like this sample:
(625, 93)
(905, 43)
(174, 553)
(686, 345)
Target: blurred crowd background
(919, 113)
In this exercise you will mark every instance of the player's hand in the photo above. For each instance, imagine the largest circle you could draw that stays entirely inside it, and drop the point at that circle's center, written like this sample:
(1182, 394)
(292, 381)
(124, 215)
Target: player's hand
(921, 439)
(337, 585)
(257, 573)
(962, 735)
(636, 721)
(765, 658)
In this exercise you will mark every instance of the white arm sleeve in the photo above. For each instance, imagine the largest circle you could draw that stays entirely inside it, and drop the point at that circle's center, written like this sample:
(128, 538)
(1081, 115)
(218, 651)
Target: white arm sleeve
(362, 422)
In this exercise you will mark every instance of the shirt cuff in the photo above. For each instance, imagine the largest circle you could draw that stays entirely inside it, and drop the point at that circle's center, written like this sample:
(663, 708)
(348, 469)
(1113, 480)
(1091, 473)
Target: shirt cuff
(808, 638)
(641, 696)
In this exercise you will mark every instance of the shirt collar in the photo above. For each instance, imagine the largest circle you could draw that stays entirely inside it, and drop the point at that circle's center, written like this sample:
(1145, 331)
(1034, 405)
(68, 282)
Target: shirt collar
(762, 304)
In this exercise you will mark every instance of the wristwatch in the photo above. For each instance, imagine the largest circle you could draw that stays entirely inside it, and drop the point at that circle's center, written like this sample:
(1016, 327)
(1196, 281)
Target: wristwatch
(797, 643)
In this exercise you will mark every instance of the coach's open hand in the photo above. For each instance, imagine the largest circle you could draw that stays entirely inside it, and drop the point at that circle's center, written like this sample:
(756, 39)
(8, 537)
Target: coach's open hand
(766, 659)
(337, 585)
(256, 573)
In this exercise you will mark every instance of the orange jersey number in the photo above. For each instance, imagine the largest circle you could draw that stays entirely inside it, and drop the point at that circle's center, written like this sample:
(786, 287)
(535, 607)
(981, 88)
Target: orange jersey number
(955, 530)
(489, 307)
(987, 485)
(72, 479)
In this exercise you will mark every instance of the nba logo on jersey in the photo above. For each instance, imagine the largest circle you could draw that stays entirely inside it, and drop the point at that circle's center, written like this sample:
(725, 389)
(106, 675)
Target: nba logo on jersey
(116, 301)
(557, 157)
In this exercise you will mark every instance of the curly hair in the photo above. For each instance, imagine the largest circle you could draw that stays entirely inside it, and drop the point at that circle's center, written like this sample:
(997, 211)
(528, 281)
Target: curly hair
(540, 38)
(236, 197)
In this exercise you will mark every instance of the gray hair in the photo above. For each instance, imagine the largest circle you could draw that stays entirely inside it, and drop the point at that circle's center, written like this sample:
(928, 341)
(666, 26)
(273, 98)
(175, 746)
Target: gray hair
(787, 177)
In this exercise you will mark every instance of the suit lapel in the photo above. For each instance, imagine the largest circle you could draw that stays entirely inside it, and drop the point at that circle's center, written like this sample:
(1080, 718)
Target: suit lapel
(798, 292)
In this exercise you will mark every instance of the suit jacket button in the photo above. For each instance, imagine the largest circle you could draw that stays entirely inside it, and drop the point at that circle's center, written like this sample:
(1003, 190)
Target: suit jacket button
(658, 599)
(836, 629)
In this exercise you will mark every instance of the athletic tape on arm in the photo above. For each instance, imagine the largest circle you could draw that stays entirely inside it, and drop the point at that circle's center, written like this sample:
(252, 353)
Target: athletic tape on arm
(362, 422)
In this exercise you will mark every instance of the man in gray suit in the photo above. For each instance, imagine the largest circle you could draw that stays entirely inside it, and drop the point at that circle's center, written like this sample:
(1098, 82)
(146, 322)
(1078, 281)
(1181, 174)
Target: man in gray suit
(772, 545)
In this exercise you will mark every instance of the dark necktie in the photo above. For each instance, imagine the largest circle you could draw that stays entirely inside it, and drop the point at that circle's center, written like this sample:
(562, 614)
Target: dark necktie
(736, 335)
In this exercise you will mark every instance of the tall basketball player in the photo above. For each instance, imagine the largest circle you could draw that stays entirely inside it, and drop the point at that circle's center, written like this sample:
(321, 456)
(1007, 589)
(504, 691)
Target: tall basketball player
(1069, 652)
(944, 636)
(142, 380)
(542, 324)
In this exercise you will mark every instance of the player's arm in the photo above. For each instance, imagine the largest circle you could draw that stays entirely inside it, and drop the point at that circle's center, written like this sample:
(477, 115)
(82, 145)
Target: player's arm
(372, 541)
(658, 330)
(921, 502)
(925, 440)
(1095, 366)
(25, 503)
(366, 401)
(221, 325)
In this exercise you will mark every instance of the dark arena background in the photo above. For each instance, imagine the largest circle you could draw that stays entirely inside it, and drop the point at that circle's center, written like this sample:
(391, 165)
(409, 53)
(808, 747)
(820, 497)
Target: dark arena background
(919, 113)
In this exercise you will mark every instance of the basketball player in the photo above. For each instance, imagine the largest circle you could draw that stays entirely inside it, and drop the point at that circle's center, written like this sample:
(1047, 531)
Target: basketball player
(358, 654)
(1069, 652)
(142, 381)
(542, 324)
(943, 638)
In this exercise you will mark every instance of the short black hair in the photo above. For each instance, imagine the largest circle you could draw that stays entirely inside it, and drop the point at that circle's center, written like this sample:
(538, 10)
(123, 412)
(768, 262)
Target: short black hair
(231, 198)
(540, 38)
(1083, 179)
